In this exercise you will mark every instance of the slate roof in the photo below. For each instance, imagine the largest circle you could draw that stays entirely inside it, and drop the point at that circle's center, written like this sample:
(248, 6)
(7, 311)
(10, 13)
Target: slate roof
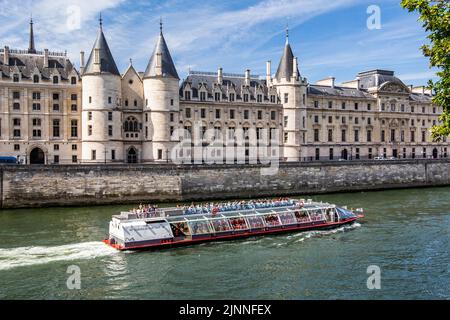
(107, 63)
(168, 67)
(286, 65)
(339, 92)
(376, 78)
(417, 97)
(208, 80)
(27, 63)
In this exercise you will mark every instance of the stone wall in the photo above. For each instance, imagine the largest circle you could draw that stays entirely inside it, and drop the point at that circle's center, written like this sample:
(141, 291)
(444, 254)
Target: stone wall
(36, 186)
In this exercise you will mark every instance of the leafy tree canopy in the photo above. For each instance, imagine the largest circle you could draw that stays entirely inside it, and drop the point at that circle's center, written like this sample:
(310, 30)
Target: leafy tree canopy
(435, 15)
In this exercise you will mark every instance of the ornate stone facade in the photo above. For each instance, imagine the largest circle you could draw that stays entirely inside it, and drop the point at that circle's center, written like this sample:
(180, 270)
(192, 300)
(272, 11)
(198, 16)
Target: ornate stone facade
(51, 113)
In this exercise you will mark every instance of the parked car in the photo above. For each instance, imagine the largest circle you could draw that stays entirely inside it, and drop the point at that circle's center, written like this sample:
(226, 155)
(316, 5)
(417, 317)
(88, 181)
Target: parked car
(379, 158)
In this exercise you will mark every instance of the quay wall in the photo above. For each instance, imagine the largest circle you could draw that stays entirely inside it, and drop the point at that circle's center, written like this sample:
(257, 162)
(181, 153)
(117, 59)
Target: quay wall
(59, 185)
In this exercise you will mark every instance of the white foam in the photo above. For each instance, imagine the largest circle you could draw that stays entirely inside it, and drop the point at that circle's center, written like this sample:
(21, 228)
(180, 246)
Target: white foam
(27, 256)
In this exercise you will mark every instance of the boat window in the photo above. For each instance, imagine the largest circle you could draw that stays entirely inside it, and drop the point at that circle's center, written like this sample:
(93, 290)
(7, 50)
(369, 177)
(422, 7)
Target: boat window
(272, 220)
(316, 215)
(180, 229)
(238, 223)
(345, 214)
(301, 216)
(200, 227)
(220, 225)
(287, 218)
(256, 222)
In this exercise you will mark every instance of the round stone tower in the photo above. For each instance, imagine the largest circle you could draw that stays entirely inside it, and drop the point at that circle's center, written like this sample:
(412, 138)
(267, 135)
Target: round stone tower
(101, 114)
(292, 90)
(161, 103)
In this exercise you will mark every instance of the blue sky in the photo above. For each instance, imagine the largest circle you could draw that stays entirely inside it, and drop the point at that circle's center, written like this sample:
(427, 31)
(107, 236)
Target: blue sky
(330, 38)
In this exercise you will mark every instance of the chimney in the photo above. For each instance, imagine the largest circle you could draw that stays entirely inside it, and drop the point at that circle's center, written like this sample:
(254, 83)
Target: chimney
(247, 77)
(220, 76)
(268, 72)
(294, 71)
(6, 56)
(45, 58)
(158, 68)
(82, 61)
(97, 66)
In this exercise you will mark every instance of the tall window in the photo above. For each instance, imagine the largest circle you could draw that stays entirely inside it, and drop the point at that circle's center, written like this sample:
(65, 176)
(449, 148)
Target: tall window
(93, 154)
(110, 130)
(383, 137)
(187, 95)
(131, 125)
(231, 97)
(217, 96)
(369, 136)
(316, 135)
(36, 78)
(330, 135)
(56, 128)
(202, 96)
(286, 97)
(343, 135)
(356, 135)
(188, 112)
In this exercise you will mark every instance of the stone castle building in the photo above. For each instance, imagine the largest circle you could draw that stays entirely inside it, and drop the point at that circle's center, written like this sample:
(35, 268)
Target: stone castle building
(52, 113)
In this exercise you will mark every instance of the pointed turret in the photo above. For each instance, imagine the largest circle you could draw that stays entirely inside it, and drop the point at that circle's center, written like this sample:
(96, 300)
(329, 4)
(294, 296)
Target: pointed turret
(161, 63)
(286, 67)
(101, 59)
(31, 47)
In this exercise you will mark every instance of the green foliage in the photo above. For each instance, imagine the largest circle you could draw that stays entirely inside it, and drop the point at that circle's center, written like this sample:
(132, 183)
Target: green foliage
(435, 16)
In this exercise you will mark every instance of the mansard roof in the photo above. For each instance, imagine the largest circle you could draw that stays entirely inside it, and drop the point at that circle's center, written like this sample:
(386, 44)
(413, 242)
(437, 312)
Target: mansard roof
(236, 82)
(339, 92)
(377, 78)
(107, 63)
(26, 64)
(168, 67)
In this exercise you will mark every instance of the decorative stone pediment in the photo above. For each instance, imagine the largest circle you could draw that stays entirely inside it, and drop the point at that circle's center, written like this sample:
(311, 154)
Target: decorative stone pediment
(394, 88)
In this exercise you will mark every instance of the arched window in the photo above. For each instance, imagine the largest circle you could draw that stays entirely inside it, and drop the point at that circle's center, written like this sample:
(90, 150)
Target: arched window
(131, 125)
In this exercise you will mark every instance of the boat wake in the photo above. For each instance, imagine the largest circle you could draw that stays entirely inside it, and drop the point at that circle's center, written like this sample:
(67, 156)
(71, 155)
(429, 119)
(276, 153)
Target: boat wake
(27, 256)
(319, 233)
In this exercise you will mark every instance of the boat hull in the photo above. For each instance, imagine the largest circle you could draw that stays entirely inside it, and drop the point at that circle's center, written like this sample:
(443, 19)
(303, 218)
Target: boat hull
(165, 244)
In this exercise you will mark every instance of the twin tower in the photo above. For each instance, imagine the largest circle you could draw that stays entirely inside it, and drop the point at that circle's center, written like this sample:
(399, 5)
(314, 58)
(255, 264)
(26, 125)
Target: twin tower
(112, 131)
(103, 115)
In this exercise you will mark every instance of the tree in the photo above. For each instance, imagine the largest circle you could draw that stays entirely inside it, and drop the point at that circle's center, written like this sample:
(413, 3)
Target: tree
(435, 15)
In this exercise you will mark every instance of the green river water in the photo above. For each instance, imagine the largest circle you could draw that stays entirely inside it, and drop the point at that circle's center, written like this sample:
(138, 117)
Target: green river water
(406, 233)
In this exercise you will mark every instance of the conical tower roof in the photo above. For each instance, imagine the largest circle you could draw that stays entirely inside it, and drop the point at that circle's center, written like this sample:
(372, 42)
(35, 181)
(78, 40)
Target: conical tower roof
(168, 67)
(286, 66)
(107, 63)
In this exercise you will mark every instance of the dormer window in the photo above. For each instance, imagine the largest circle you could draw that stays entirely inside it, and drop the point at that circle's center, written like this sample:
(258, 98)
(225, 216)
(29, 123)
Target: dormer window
(246, 97)
(217, 96)
(36, 78)
(231, 96)
(259, 98)
(202, 96)
(73, 80)
(187, 95)
(55, 80)
(16, 78)
(272, 98)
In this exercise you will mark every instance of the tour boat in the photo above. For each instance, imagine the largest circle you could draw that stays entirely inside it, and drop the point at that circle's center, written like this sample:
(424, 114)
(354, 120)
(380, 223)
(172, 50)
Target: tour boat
(171, 227)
